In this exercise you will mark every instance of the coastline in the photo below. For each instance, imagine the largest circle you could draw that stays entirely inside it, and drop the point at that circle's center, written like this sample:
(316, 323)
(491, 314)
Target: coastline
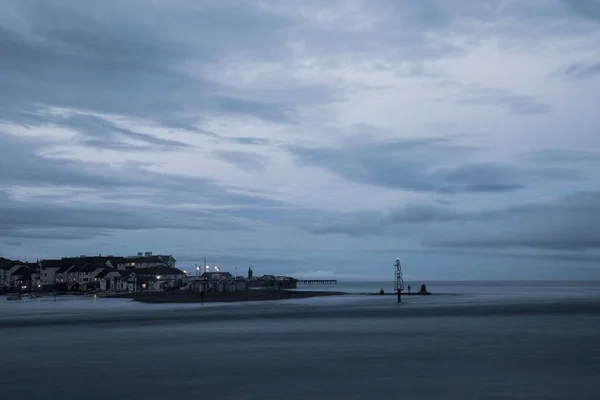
(220, 297)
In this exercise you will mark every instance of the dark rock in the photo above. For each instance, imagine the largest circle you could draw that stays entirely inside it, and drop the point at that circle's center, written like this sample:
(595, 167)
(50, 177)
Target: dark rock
(424, 290)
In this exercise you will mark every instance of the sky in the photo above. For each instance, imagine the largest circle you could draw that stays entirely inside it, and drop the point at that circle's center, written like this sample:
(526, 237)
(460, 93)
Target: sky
(314, 138)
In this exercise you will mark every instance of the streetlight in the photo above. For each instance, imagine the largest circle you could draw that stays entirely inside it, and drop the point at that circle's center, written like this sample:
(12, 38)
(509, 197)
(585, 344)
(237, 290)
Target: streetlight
(197, 270)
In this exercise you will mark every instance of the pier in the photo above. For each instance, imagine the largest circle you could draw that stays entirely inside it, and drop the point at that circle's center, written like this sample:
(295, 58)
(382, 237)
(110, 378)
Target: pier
(318, 281)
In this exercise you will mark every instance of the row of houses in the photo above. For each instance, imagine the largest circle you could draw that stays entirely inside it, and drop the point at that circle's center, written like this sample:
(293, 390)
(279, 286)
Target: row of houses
(118, 274)
(15, 275)
(84, 271)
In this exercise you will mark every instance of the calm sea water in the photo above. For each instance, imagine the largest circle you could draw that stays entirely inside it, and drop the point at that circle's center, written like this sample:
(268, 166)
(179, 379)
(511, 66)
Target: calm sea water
(470, 340)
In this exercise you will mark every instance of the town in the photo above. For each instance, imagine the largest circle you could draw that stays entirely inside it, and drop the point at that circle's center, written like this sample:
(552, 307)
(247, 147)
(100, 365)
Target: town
(118, 274)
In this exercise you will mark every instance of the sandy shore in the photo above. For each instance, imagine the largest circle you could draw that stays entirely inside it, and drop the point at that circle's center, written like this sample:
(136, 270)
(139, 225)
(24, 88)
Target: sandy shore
(223, 297)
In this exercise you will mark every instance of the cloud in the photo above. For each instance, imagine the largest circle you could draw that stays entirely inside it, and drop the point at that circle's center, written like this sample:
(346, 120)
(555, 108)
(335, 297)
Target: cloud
(561, 156)
(400, 219)
(420, 165)
(102, 129)
(270, 112)
(31, 219)
(55, 234)
(489, 177)
(58, 198)
(44, 171)
(582, 70)
(245, 160)
(515, 104)
(97, 132)
(251, 141)
(133, 66)
(585, 8)
(12, 243)
(99, 199)
(568, 223)
(396, 164)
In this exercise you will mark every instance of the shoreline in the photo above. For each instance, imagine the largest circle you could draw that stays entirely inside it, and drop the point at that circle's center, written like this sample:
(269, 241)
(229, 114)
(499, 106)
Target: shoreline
(220, 297)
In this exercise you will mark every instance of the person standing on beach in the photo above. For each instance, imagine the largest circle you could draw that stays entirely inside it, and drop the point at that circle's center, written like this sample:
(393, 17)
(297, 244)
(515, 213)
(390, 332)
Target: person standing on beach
(408, 289)
(202, 296)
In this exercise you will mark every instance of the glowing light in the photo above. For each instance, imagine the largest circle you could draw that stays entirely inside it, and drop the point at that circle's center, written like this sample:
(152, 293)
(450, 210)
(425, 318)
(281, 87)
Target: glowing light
(157, 276)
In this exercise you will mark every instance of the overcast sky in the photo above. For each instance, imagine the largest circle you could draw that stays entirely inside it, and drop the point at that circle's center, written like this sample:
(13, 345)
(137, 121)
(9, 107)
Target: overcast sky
(315, 137)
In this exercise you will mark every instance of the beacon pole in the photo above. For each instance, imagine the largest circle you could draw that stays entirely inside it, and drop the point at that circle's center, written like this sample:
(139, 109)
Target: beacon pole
(399, 282)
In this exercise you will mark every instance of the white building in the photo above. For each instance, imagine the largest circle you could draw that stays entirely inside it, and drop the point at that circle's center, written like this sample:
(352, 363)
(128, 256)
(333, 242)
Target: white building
(146, 260)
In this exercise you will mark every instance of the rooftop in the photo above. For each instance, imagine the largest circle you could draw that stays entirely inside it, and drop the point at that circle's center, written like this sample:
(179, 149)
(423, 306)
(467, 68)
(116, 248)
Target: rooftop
(154, 271)
(145, 259)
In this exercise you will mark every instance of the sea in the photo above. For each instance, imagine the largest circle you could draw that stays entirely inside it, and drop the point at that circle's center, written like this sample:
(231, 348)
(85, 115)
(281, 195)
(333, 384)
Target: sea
(468, 340)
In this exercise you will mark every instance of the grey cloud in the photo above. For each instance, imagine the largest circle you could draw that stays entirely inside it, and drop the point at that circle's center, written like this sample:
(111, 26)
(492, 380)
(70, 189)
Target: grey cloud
(244, 160)
(416, 31)
(111, 186)
(415, 164)
(65, 51)
(582, 70)
(101, 129)
(41, 234)
(118, 146)
(585, 8)
(251, 141)
(21, 164)
(399, 220)
(355, 224)
(560, 156)
(58, 53)
(569, 223)
(515, 104)
(399, 164)
(267, 111)
(101, 133)
(483, 177)
(415, 213)
(12, 243)
(488, 177)
(39, 220)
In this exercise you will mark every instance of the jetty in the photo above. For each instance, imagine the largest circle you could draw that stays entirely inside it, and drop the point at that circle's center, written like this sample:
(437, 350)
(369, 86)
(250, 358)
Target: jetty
(317, 281)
